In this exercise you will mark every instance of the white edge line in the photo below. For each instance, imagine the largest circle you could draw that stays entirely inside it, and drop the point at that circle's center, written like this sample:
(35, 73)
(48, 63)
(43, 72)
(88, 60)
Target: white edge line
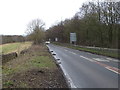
(68, 78)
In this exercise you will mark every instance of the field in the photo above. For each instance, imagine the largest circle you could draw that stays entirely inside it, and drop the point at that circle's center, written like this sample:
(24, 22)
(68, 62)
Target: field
(33, 69)
(14, 47)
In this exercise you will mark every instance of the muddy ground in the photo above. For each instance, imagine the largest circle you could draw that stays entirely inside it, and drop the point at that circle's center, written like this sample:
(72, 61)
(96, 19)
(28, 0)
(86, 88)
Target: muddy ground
(39, 78)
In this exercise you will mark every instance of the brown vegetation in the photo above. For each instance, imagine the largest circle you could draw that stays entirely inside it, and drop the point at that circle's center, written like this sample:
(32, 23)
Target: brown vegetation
(35, 68)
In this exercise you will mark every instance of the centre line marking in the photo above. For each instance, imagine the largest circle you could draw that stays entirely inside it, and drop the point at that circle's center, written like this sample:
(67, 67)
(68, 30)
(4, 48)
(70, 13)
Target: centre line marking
(114, 60)
(87, 58)
(113, 69)
(73, 53)
(101, 59)
(65, 50)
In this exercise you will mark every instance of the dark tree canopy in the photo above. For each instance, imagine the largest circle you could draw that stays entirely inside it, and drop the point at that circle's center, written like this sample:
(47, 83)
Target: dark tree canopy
(96, 24)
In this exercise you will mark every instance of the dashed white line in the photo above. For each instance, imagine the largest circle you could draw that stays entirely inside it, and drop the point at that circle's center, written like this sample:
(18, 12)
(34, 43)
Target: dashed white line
(70, 52)
(73, 53)
(113, 60)
(87, 58)
(101, 59)
(113, 69)
(65, 50)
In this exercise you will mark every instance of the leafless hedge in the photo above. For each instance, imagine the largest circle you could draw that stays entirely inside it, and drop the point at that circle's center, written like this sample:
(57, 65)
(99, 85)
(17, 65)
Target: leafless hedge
(7, 57)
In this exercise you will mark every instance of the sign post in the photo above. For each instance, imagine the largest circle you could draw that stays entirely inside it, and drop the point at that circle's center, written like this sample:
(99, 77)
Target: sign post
(73, 38)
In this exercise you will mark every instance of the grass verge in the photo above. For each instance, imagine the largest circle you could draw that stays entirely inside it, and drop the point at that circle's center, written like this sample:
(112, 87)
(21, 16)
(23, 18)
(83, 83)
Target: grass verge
(113, 54)
(34, 69)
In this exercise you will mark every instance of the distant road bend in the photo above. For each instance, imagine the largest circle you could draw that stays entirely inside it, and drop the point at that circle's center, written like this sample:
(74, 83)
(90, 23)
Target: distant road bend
(86, 70)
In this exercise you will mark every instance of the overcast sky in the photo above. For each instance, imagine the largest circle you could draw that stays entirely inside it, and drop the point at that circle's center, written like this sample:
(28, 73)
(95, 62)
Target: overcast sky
(16, 14)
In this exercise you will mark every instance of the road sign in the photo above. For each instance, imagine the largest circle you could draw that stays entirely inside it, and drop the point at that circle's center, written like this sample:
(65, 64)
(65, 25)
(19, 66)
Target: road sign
(73, 37)
(56, 39)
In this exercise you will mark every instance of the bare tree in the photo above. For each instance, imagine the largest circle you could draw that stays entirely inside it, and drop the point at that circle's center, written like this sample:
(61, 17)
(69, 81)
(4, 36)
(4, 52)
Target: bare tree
(35, 31)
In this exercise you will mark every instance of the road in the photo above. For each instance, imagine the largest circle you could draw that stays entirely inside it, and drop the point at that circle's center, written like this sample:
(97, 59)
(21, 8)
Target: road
(86, 70)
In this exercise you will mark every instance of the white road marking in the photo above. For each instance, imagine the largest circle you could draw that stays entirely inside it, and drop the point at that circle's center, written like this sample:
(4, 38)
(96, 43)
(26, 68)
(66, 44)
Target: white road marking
(65, 50)
(101, 59)
(113, 60)
(87, 58)
(112, 70)
(107, 67)
(73, 53)
(68, 77)
(70, 52)
(109, 58)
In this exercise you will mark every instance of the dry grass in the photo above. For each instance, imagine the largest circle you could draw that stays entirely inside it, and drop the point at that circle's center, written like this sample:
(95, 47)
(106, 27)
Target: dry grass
(35, 59)
(14, 47)
(34, 55)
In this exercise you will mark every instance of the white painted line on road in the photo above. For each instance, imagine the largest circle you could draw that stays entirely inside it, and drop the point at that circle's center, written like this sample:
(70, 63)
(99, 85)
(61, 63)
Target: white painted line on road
(87, 58)
(73, 53)
(113, 60)
(68, 77)
(112, 70)
(109, 58)
(65, 50)
(101, 59)
(70, 52)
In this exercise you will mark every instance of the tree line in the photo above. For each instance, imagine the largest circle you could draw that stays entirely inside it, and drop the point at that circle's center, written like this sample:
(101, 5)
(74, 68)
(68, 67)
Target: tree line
(96, 24)
(12, 38)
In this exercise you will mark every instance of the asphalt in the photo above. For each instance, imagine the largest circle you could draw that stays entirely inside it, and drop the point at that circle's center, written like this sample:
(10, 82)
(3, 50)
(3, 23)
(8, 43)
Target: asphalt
(86, 70)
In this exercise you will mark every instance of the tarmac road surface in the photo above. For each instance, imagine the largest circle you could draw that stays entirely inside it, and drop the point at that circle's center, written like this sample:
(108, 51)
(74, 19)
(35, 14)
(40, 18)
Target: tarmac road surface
(86, 70)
